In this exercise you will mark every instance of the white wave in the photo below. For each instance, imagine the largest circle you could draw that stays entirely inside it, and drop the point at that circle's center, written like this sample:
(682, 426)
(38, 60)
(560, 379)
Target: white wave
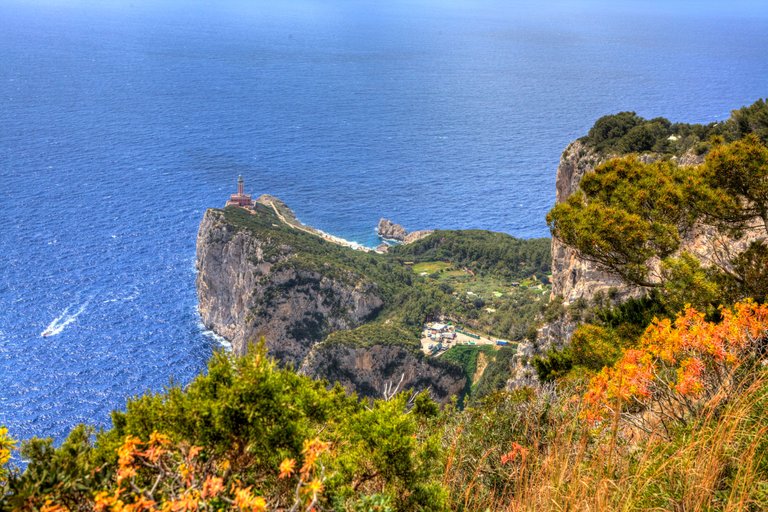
(124, 298)
(62, 321)
(221, 340)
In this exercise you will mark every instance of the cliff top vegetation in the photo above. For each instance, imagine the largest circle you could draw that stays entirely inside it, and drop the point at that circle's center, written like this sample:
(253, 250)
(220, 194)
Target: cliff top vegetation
(626, 132)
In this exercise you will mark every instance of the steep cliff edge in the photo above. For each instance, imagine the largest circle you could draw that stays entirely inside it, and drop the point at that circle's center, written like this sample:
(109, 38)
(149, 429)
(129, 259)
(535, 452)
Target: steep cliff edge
(369, 370)
(263, 274)
(253, 281)
(577, 279)
(572, 277)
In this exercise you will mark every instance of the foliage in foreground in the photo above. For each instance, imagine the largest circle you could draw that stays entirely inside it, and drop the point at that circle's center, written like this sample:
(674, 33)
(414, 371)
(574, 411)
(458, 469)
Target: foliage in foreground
(233, 430)
(251, 436)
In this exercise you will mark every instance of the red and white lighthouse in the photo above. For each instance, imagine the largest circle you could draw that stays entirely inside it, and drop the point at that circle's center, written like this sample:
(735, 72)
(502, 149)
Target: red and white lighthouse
(241, 198)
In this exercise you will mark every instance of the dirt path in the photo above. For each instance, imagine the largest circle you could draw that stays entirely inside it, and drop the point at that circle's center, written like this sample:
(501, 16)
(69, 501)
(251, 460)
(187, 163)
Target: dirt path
(482, 364)
(312, 231)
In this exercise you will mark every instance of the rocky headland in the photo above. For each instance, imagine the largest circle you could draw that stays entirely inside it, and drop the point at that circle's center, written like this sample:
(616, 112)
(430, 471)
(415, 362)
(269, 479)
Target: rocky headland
(261, 274)
(249, 287)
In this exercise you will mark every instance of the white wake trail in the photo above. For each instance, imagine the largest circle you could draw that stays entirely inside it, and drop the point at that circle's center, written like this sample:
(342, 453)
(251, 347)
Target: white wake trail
(62, 321)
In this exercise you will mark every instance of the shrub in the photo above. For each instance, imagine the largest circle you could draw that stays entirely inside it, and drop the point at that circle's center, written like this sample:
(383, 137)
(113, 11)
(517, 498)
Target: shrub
(678, 366)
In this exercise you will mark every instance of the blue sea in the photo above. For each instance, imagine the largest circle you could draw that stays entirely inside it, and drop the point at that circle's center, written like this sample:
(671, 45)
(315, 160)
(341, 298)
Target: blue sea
(121, 122)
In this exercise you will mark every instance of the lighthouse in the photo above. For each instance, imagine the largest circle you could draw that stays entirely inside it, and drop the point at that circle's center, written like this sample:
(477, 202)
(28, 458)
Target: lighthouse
(241, 198)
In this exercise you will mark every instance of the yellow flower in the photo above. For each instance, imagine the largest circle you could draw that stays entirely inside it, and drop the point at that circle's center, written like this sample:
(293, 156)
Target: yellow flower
(314, 487)
(287, 467)
(245, 501)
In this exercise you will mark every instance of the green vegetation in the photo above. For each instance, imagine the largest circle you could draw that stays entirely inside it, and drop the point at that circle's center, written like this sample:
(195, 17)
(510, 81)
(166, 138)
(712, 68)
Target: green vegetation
(431, 267)
(466, 357)
(246, 416)
(492, 304)
(626, 132)
(376, 333)
(496, 374)
(482, 252)
(251, 436)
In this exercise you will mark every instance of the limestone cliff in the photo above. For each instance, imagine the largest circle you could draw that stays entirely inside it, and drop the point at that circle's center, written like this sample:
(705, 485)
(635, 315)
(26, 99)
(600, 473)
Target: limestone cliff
(253, 284)
(367, 370)
(574, 278)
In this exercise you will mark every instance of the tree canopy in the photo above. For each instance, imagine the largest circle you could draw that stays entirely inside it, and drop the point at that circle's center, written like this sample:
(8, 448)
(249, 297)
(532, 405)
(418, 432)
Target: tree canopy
(630, 218)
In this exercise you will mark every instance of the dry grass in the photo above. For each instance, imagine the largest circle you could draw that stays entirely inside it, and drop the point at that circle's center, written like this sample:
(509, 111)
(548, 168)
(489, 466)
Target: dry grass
(719, 462)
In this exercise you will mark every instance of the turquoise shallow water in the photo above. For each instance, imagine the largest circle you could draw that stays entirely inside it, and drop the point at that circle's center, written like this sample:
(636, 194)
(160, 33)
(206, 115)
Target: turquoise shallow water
(121, 122)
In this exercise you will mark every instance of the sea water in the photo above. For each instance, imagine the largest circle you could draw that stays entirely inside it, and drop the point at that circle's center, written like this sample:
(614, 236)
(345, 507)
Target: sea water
(121, 122)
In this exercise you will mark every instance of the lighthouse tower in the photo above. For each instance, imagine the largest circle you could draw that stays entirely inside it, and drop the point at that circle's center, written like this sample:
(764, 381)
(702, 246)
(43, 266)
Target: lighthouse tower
(241, 198)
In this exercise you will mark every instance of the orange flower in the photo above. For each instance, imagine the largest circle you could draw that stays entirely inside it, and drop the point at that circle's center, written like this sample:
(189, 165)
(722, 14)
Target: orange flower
(245, 501)
(516, 451)
(50, 506)
(183, 504)
(690, 346)
(194, 451)
(287, 467)
(158, 439)
(128, 451)
(312, 450)
(212, 486)
(689, 377)
(105, 501)
(314, 487)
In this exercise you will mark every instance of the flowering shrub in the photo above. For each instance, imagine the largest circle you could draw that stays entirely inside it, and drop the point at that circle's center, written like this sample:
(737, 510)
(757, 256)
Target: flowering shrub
(236, 438)
(158, 476)
(678, 365)
(6, 445)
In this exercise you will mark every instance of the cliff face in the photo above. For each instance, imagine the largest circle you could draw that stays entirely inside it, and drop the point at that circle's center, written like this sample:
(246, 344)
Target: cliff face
(244, 295)
(368, 370)
(572, 277)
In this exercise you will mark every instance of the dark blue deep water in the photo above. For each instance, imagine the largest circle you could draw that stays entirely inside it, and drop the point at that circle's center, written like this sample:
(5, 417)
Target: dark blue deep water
(121, 122)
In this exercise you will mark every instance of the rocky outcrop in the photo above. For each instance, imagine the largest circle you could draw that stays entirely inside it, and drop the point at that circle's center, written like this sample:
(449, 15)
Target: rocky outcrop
(574, 278)
(244, 295)
(368, 370)
(390, 231)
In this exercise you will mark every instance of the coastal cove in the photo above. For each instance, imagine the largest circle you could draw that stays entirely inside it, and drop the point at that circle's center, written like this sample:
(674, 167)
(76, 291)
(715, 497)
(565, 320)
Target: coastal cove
(122, 125)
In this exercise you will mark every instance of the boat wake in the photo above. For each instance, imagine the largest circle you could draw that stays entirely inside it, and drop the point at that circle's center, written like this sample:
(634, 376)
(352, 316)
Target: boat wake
(62, 321)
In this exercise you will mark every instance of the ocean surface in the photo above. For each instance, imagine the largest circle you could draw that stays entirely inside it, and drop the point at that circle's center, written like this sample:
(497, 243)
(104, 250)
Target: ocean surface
(121, 122)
